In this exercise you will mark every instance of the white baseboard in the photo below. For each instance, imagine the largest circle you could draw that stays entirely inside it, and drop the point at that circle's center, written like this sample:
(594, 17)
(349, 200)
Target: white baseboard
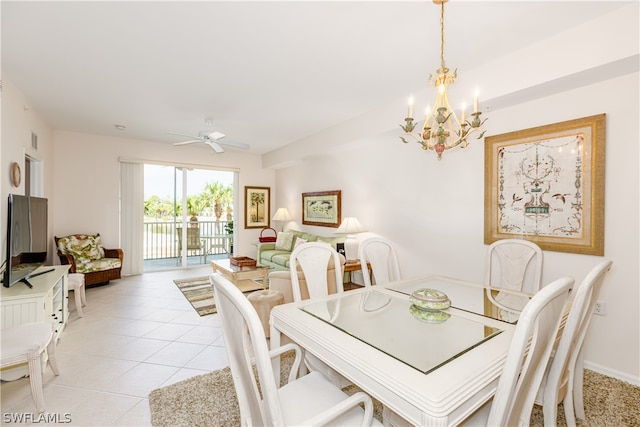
(612, 373)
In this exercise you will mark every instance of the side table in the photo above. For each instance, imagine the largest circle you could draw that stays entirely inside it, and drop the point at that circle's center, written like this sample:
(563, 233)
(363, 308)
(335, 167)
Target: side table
(350, 267)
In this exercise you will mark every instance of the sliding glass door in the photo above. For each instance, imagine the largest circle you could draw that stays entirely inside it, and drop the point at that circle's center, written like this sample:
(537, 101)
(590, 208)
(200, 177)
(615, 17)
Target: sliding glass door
(189, 216)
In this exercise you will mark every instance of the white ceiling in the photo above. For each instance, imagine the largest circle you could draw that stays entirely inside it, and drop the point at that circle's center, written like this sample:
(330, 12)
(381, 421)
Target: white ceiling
(268, 73)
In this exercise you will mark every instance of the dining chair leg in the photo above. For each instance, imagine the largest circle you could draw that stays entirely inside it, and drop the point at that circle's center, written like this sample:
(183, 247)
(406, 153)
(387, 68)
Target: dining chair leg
(578, 402)
(35, 380)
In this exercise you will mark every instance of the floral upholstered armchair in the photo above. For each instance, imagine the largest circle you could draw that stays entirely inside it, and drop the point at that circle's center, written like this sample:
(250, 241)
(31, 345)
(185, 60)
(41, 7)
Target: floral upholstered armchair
(85, 254)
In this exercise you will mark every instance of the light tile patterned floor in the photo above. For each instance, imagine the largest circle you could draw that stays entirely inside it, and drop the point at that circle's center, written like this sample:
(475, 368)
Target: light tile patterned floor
(137, 334)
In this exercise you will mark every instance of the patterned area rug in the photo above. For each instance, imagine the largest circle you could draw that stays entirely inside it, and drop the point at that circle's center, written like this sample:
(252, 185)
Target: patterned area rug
(199, 293)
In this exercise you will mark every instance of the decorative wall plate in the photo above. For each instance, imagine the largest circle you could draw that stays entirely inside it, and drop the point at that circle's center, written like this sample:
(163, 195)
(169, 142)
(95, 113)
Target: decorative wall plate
(15, 174)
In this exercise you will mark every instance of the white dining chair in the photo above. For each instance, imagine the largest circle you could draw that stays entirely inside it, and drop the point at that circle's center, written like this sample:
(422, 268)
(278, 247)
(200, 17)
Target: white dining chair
(308, 400)
(313, 259)
(516, 265)
(527, 358)
(26, 343)
(383, 259)
(563, 380)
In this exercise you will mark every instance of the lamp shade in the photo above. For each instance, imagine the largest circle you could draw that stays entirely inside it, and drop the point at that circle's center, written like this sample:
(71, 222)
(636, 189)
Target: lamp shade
(282, 214)
(350, 225)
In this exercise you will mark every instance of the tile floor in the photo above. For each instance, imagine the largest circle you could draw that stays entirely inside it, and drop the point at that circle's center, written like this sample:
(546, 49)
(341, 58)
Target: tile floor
(137, 334)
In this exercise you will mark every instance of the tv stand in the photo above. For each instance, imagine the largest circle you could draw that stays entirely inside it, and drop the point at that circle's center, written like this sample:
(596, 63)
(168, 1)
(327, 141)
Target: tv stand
(37, 273)
(26, 282)
(45, 300)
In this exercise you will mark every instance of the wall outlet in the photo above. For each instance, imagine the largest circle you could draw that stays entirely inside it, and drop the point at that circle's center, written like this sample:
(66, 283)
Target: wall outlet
(600, 308)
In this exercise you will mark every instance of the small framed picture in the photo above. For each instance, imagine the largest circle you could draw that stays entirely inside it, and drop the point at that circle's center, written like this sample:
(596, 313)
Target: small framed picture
(257, 207)
(322, 208)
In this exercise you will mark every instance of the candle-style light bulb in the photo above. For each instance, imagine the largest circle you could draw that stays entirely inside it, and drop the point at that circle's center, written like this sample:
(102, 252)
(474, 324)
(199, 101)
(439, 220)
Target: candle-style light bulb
(464, 108)
(410, 108)
(475, 102)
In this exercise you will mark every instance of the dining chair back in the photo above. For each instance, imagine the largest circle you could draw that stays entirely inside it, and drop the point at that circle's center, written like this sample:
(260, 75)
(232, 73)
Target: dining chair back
(512, 264)
(26, 343)
(308, 400)
(528, 355)
(565, 373)
(383, 259)
(313, 259)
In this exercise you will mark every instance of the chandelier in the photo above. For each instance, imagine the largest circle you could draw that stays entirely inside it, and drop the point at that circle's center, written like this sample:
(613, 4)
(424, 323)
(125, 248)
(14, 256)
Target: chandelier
(442, 130)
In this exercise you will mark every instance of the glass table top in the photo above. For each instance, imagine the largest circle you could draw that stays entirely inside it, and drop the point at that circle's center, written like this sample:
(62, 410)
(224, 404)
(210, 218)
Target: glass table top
(467, 296)
(422, 340)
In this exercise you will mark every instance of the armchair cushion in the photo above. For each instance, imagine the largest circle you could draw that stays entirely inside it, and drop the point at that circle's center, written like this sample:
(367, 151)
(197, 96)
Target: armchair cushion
(84, 248)
(85, 254)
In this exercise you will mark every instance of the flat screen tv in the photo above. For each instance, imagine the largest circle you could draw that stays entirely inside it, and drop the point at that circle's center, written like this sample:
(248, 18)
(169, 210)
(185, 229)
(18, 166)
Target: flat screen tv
(26, 239)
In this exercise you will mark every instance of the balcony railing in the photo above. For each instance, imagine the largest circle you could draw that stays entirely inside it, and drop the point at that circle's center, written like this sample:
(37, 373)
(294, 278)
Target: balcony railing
(161, 238)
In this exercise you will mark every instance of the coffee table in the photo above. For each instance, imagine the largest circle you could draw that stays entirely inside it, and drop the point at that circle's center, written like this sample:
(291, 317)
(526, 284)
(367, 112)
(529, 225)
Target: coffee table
(242, 277)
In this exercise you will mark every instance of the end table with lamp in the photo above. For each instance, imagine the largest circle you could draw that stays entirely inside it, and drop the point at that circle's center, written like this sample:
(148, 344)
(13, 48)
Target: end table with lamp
(351, 226)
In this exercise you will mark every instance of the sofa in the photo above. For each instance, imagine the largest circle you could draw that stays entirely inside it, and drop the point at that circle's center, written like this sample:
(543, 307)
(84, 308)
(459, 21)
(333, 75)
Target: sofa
(276, 254)
(85, 254)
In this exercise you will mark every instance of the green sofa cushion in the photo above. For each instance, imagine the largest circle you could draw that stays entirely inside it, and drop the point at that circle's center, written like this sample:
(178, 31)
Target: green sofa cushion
(268, 255)
(281, 259)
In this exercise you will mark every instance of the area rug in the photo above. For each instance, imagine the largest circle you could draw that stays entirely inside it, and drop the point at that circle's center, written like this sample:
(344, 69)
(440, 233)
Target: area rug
(198, 291)
(210, 400)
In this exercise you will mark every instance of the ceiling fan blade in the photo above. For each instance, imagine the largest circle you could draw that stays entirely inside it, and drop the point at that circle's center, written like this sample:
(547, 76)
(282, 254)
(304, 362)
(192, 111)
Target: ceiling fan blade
(215, 146)
(184, 134)
(241, 145)
(187, 142)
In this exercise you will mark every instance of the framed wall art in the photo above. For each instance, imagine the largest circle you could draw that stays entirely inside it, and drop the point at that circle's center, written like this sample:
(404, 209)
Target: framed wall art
(546, 185)
(322, 208)
(257, 207)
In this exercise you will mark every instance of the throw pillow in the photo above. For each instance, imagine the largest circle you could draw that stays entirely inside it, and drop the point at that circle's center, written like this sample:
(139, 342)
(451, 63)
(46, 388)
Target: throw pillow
(284, 241)
(331, 240)
(299, 241)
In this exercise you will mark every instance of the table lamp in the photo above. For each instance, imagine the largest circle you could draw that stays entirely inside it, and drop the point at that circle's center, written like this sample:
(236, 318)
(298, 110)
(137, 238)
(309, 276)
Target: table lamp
(282, 215)
(350, 226)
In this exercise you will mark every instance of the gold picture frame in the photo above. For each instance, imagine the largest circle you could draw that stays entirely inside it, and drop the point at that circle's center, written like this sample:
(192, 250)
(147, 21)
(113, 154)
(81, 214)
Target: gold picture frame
(323, 208)
(546, 185)
(257, 207)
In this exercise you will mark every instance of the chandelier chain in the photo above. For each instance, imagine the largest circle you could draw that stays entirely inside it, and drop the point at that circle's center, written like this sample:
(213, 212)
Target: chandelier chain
(442, 66)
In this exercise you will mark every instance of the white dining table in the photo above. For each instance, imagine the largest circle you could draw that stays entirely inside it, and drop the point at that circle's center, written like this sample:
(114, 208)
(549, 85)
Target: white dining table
(430, 374)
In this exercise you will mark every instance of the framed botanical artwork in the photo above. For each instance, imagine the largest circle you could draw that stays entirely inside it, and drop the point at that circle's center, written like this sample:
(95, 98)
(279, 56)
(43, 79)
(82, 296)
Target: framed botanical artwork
(257, 207)
(546, 185)
(322, 208)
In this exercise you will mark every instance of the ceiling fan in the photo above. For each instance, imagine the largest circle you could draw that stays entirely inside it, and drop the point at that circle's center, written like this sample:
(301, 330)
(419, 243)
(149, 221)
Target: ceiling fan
(212, 138)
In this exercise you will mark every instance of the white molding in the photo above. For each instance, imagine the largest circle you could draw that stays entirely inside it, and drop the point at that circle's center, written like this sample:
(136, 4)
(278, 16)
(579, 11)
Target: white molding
(612, 373)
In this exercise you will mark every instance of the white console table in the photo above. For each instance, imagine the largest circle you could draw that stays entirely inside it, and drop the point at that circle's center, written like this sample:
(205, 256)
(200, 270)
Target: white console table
(47, 300)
